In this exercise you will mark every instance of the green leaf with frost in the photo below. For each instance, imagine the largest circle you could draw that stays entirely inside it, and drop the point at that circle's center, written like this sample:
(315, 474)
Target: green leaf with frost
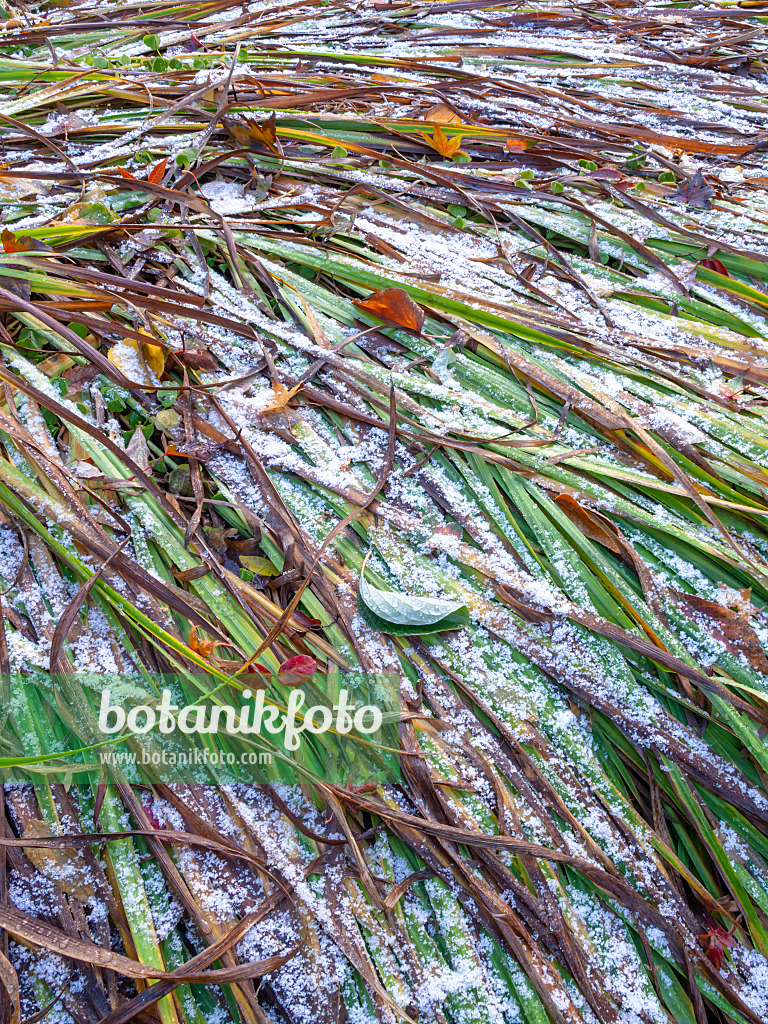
(404, 614)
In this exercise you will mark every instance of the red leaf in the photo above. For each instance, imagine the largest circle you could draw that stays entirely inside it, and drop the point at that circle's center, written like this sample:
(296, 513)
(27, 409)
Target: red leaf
(126, 174)
(156, 174)
(395, 305)
(296, 670)
(716, 941)
(258, 670)
(146, 806)
(715, 265)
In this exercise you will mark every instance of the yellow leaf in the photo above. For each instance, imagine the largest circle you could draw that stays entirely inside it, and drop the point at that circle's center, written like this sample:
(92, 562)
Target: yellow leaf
(167, 419)
(261, 566)
(154, 357)
(142, 363)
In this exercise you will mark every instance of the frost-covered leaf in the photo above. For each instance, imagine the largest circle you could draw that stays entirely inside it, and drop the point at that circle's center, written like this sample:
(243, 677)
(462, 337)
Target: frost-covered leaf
(410, 614)
(695, 192)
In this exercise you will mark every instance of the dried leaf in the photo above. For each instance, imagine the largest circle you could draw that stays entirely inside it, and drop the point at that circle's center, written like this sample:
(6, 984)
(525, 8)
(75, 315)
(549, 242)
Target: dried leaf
(282, 397)
(204, 648)
(443, 113)
(65, 867)
(715, 265)
(195, 573)
(605, 174)
(86, 470)
(200, 450)
(518, 145)
(589, 525)
(695, 192)
(13, 190)
(138, 449)
(198, 359)
(395, 305)
(14, 243)
(69, 123)
(248, 132)
(731, 626)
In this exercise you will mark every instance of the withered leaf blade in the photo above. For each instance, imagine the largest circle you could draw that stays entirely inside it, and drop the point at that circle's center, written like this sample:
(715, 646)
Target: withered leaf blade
(195, 573)
(587, 523)
(396, 305)
(198, 359)
(730, 626)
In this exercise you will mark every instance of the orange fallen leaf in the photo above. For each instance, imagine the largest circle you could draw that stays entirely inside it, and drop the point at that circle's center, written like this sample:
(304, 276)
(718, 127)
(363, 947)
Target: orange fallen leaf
(517, 145)
(12, 243)
(440, 142)
(248, 131)
(443, 113)
(204, 648)
(396, 305)
(281, 397)
(155, 176)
